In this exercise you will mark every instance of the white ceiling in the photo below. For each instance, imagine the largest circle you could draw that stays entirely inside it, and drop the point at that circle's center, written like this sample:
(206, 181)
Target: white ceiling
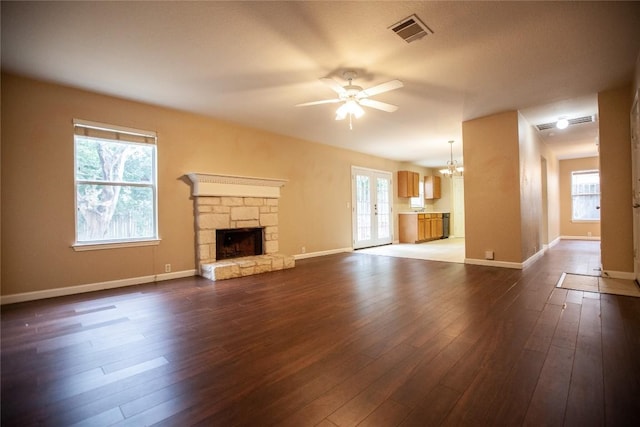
(252, 62)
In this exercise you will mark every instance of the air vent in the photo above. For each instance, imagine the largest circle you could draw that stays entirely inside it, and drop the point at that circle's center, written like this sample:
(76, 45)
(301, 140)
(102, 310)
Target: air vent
(411, 29)
(585, 119)
(546, 126)
(576, 121)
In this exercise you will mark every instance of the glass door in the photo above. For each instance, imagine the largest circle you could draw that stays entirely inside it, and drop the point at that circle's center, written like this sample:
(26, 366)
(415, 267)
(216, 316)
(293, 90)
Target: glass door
(372, 207)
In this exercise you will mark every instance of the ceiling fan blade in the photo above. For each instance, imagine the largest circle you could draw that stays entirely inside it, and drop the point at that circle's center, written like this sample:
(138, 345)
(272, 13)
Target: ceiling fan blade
(334, 85)
(389, 108)
(326, 101)
(382, 87)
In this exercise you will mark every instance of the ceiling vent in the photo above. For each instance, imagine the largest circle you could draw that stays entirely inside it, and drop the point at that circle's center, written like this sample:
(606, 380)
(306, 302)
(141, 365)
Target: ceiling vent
(576, 121)
(411, 29)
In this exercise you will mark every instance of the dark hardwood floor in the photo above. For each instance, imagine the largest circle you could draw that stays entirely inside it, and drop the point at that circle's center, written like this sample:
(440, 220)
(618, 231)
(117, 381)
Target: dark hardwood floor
(341, 340)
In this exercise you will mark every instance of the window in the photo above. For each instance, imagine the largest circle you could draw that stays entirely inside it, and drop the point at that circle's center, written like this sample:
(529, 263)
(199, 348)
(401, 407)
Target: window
(418, 202)
(115, 184)
(585, 195)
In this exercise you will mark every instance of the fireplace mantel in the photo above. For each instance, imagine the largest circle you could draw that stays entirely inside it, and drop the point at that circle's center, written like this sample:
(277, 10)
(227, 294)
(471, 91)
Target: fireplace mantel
(234, 186)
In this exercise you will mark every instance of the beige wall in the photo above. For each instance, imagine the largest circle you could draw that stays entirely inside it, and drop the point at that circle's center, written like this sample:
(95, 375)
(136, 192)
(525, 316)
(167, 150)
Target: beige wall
(530, 189)
(445, 202)
(568, 228)
(552, 195)
(636, 77)
(492, 187)
(38, 190)
(615, 179)
(507, 208)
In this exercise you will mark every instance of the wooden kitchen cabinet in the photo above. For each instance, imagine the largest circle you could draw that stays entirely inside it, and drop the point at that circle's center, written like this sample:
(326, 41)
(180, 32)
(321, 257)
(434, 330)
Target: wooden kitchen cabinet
(419, 227)
(408, 184)
(427, 227)
(432, 188)
(437, 230)
(412, 227)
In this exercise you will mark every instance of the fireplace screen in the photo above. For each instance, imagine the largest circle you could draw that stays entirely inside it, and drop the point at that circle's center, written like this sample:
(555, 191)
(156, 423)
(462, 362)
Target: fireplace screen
(238, 242)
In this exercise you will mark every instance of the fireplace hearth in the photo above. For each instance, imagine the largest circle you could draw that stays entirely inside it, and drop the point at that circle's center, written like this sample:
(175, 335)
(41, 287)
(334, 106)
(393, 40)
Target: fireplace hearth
(238, 242)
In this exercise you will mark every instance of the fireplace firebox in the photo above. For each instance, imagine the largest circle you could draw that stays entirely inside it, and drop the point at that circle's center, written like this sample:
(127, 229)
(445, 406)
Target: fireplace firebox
(238, 242)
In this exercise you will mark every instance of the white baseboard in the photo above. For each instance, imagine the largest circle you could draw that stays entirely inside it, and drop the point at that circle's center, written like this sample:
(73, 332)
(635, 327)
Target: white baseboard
(322, 253)
(627, 275)
(580, 237)
(554, 242)
(494, 263)
(506, 264)
(71, 290)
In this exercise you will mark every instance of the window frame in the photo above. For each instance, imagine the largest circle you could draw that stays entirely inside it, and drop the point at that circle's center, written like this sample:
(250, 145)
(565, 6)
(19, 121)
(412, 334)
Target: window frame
(121, 135)
(583, 172)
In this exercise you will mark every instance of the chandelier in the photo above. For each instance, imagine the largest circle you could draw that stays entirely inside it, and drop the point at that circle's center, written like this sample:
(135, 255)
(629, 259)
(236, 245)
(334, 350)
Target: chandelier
(452, 165)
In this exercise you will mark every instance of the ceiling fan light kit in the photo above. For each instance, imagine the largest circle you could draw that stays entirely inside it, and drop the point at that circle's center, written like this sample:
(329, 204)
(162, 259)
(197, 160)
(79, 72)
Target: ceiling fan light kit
(354, 97)
(349, 108)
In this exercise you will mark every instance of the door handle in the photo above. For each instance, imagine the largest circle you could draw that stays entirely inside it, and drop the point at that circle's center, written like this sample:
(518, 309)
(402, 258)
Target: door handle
(636, 206)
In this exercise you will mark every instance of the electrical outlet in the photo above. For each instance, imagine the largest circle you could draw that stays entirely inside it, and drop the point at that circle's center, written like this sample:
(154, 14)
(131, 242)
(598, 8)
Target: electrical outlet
(488, 255)
(303, 250)
(167, 268)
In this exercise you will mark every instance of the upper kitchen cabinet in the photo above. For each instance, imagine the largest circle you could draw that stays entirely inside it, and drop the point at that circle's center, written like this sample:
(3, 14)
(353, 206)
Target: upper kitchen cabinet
(432, 187)
(408, 184)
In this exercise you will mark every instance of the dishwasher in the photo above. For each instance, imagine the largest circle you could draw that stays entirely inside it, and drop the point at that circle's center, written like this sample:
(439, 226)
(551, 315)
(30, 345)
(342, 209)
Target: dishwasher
(445, 225)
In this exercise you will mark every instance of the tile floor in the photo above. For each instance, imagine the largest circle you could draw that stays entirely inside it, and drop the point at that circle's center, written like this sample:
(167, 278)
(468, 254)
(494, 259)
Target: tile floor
(603, 285)
(447, 250)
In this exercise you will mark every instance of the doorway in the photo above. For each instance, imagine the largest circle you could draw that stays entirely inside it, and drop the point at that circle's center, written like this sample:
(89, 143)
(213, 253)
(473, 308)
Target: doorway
(371, 196)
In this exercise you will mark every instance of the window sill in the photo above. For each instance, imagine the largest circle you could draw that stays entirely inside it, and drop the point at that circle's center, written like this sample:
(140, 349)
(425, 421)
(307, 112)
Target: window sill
(81, 247)
(585, 221)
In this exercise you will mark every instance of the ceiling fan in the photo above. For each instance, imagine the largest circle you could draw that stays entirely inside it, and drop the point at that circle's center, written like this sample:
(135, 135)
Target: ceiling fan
(353, 97)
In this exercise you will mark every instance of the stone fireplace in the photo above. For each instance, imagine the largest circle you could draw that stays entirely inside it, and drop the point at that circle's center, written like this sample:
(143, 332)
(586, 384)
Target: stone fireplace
(227, 207)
